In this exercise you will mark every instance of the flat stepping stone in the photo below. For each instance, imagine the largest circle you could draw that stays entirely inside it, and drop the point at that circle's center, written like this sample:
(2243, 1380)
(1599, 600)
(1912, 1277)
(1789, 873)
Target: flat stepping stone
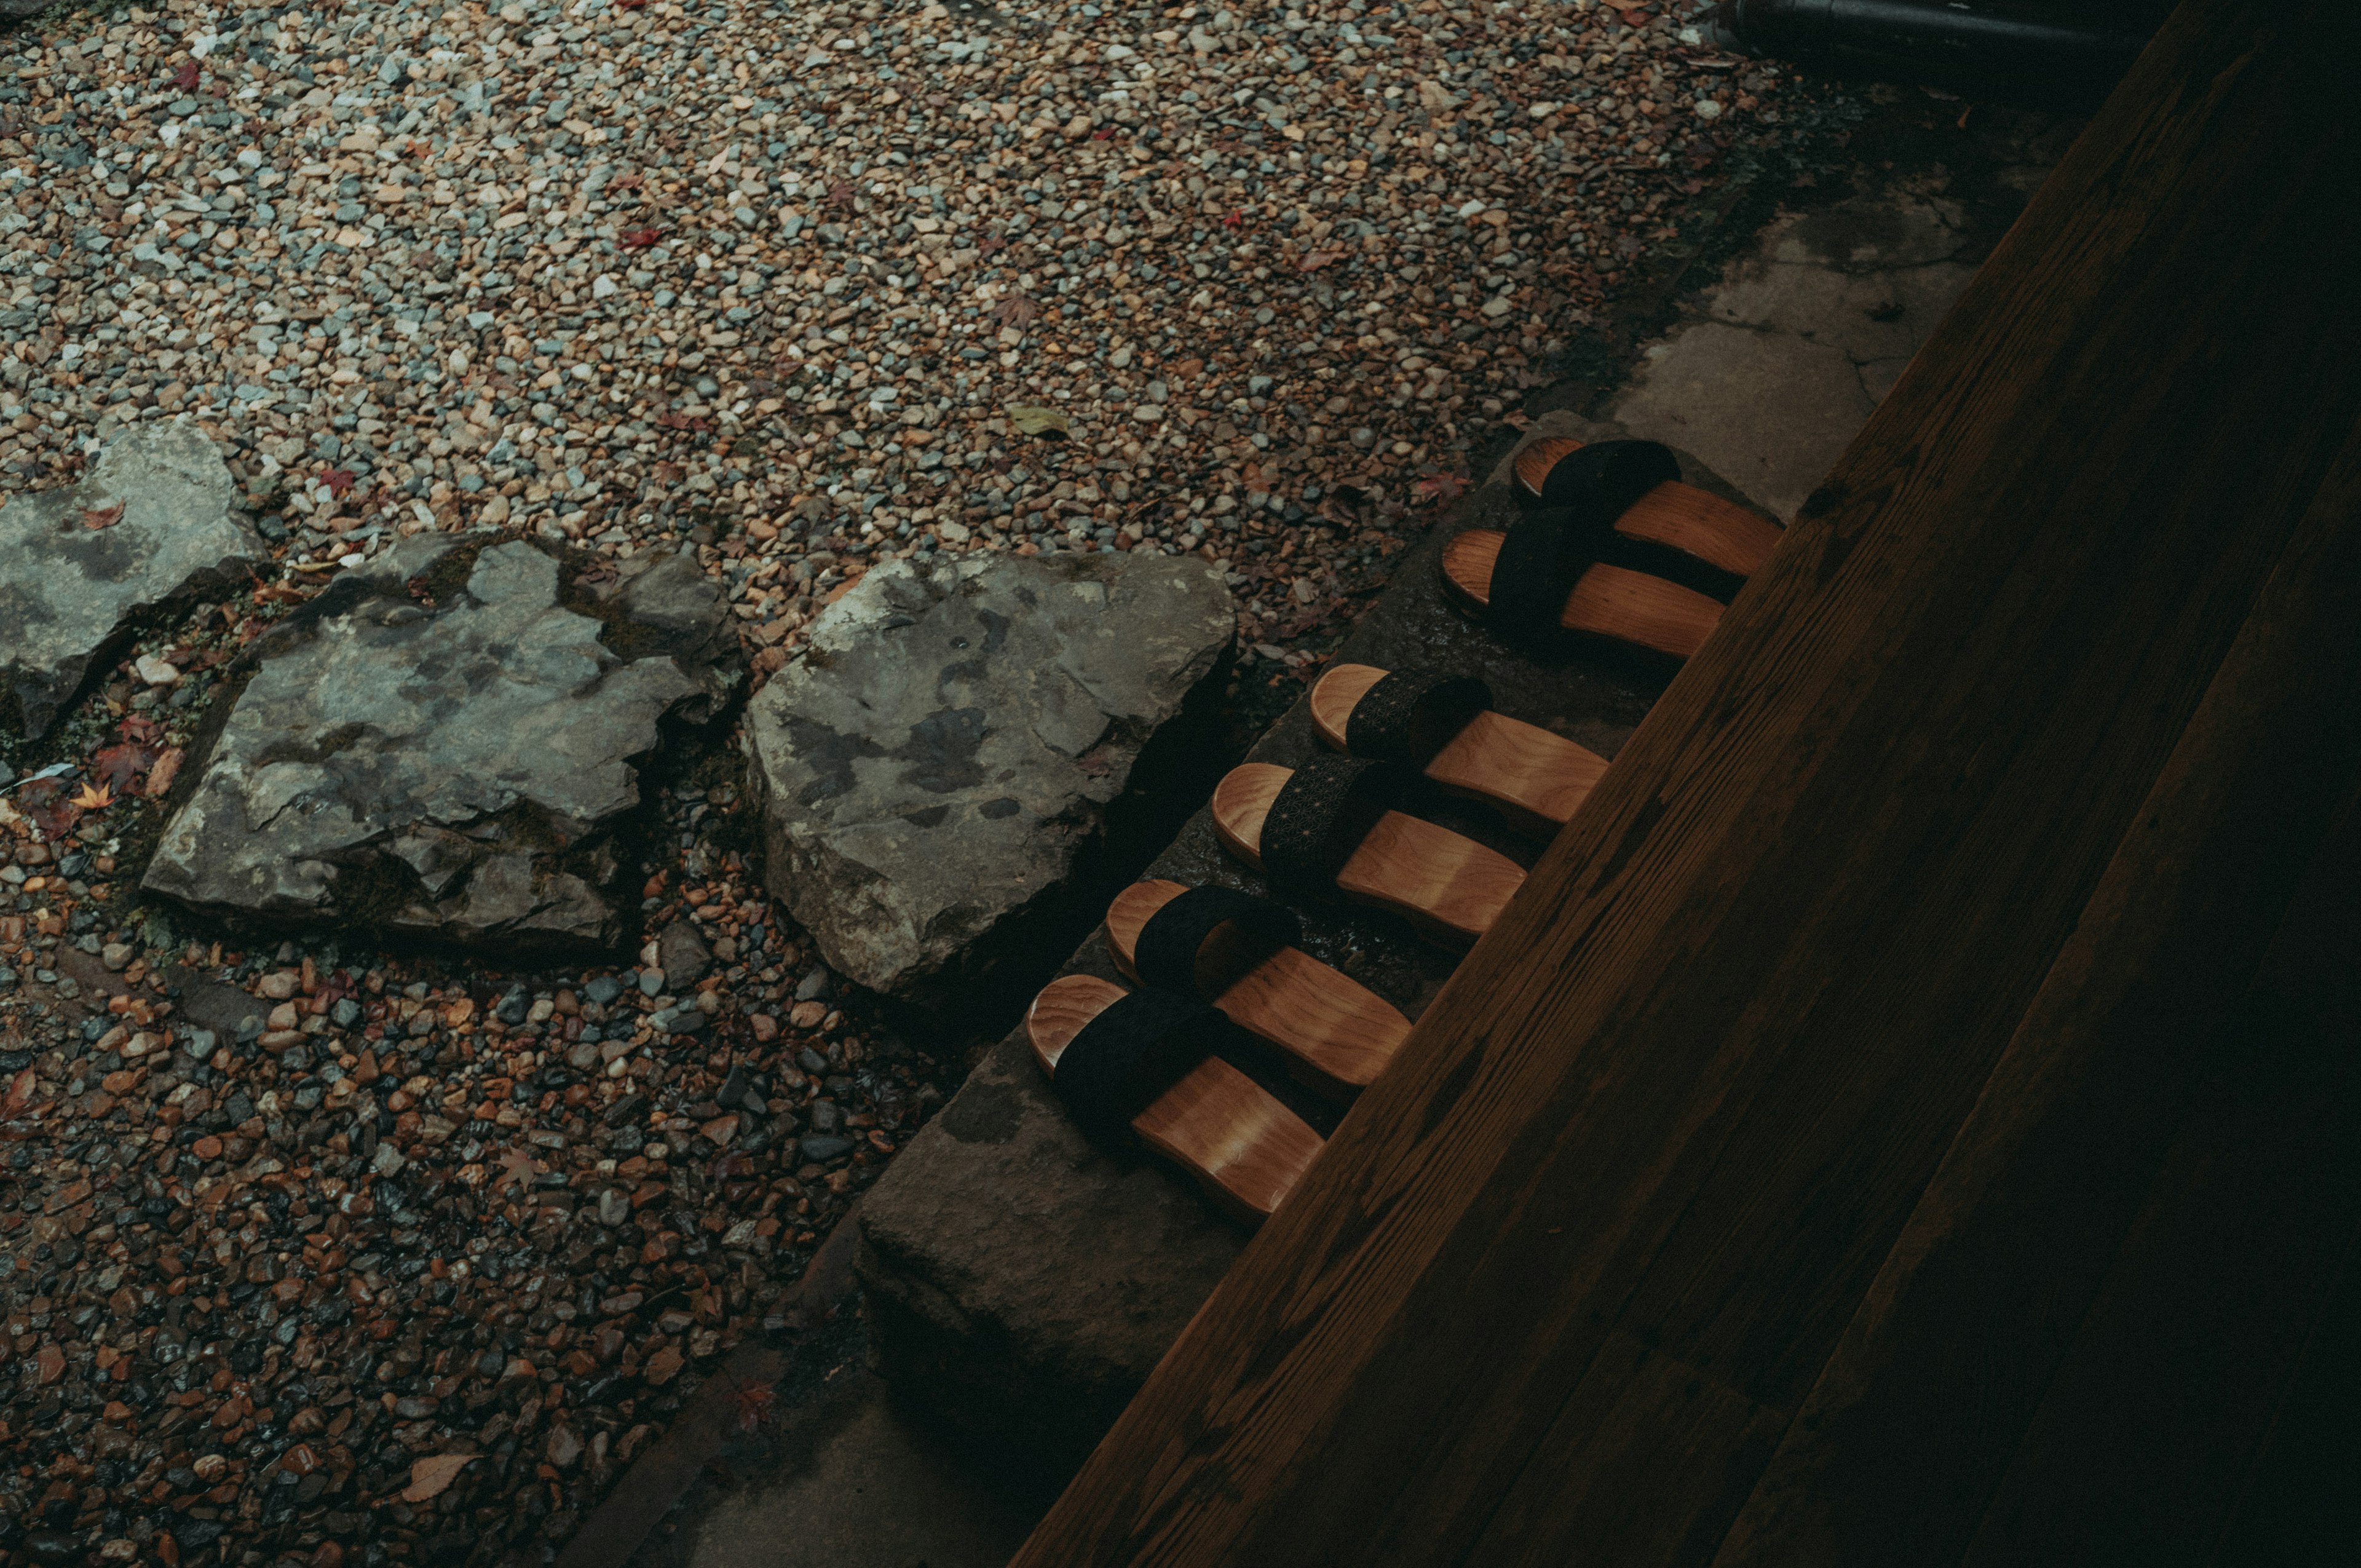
(937, 765)
(445, 744)
(156, 524)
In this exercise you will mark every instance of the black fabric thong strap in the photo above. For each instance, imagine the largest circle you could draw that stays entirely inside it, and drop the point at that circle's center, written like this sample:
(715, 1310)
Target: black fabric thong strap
(1166, 952)
(1545, 554)
(1131, 1052)
(1322, 815)
(1410, 715)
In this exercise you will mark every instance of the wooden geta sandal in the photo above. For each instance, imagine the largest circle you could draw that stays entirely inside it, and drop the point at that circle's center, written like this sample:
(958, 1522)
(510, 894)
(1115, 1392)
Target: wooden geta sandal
(1612, 544)
(1235, 951)
(1328, 829)
(1143, 1064)
(1444, 727)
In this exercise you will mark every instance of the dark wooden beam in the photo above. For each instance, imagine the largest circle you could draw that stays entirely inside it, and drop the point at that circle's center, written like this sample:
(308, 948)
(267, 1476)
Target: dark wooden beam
(1562, 1278)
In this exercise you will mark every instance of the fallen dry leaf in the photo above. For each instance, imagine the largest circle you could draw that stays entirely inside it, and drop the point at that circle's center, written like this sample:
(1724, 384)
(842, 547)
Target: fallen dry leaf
(93, 797)
(338, 480)
(185, 75)
(515, 1166)
(20, 1094)
(167, 769)
(1441, 488)
(1016, 310)
(430, 1477)
(1040, 421)
(1318, 258)
(639, 239)
(96, 518)
(117, 766)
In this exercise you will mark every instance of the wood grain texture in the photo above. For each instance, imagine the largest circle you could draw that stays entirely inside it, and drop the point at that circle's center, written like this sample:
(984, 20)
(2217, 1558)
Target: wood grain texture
(1246, 1149)
(1336, 1034)
(1689, 1089)
(1607, 601)
(1449, 886)
(2222, 936)
(1696, 522)
(1536, 778)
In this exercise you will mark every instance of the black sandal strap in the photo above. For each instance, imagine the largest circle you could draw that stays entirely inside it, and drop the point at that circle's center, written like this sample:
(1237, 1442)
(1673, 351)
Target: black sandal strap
(1410, 715)
(1166, 952)
(1322, 815)
(1132, 1051)
(1612, 473)
(1545, 554)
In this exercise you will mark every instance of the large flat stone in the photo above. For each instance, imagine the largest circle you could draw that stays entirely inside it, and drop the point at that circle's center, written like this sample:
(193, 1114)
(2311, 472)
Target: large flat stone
(70, 593)
(1020, 1281)
(446, 745)
(1772, 411)
(938, 764)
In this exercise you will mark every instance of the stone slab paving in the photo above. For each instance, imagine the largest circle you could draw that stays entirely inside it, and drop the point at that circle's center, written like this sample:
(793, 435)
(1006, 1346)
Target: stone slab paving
(937, 770)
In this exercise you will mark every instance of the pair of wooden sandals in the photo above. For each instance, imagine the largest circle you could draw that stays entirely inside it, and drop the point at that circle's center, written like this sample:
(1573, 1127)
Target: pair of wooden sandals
(1216, 964)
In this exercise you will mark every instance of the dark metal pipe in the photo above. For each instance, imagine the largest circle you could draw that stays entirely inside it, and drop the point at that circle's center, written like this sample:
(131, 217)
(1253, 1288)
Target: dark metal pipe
(2043, 47)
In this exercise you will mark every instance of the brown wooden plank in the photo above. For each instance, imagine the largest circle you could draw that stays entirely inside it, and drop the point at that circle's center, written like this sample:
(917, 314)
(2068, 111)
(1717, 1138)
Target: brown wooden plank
(2137, 1055)
(1690, 1085)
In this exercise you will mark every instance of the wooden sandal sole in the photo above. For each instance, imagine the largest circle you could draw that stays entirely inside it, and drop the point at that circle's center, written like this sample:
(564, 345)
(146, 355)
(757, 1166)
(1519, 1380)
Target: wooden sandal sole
(1614, 601)
(1336, 1034)
(1608, 601)
(1449, 886)
(1243, 1146)
(1534, 777)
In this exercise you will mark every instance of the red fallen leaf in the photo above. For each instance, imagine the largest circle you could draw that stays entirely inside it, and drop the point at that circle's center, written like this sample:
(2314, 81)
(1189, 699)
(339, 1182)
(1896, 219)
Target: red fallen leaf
(1317, 259)
(1102, 133)
(117, 766)
(628, 182)
(1517, 419)
(138, 727)
(20, 1094)
(639, 239)
(185, 76)
(630, 4)
(1236, 220)
(840, 193)
(1441, 488)
(52, 814)
(990, 243)
(96, 518)
(1016, 310)
(338, 480)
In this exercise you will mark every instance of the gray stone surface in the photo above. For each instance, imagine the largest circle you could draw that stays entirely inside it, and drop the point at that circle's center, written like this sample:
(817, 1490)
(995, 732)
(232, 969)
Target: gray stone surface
(70, 593)
(935, 769)
(855, 1487)
(455, 772)
(1806, 333)
(1021, 1282)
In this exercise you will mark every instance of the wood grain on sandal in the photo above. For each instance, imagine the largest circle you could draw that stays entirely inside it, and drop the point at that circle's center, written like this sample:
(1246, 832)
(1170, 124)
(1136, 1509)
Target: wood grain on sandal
(1336, 1033)
(1697, 523)
(1449, 886)
(1244, 1147)
(1631, 606)
(1534, 777)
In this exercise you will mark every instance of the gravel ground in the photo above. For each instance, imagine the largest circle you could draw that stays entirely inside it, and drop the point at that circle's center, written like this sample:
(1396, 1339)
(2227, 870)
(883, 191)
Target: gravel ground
(314, 1253)
(777, 278)
(312, 1256)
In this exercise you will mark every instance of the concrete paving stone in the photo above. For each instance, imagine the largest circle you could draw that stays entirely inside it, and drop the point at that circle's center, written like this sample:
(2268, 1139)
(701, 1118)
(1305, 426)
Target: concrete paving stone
(1872, 315)
(1770, 412)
